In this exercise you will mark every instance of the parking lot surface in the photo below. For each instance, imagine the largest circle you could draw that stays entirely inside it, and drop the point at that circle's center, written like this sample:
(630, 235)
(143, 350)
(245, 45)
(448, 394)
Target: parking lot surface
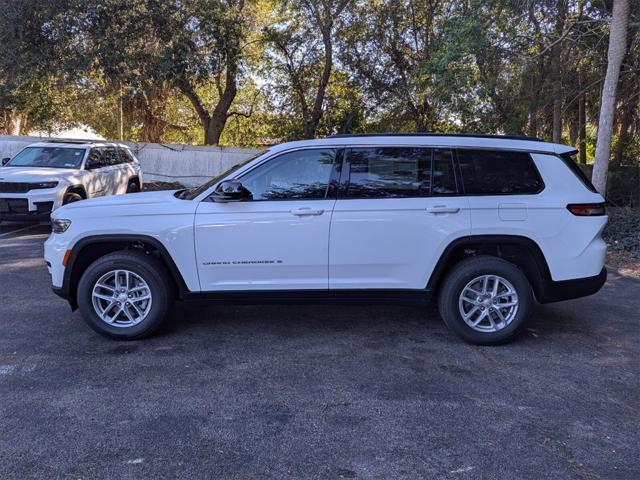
(292, 391)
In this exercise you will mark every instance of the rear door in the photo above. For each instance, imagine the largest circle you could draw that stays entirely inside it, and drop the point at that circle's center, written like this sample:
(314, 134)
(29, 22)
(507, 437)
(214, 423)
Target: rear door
(116, 173)
(97, 167)
(396, 212)
(129, 167)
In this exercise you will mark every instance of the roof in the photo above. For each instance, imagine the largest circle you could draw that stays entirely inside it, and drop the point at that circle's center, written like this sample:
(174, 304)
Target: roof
(71, 143)
(505, 142)
(426, 134)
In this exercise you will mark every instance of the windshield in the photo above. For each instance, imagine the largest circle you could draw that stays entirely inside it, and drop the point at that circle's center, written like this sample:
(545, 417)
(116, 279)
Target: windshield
(53, 157)
(191, 193)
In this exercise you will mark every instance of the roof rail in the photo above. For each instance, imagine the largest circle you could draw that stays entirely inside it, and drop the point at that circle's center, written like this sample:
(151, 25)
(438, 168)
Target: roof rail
(432, 134)
(76, 141)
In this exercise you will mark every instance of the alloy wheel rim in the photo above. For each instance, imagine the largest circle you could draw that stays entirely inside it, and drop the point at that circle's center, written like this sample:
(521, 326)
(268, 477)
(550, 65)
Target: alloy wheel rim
(488, 303)
(121, 298)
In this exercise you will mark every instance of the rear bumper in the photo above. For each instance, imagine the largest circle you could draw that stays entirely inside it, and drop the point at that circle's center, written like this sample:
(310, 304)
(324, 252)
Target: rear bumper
(551, 291)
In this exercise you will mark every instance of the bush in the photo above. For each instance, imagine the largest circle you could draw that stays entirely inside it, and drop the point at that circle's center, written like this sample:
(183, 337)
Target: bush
(623, 230)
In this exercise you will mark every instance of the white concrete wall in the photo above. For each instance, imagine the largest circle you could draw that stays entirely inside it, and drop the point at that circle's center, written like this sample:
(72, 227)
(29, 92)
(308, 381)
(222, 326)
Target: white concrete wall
(186, 164)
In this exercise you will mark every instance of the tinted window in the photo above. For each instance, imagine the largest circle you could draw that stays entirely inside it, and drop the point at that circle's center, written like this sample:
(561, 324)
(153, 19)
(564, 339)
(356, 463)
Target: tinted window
(111, 156)
(304, 174)
(125, 156)
(486, 172)
(444, 177)
(96, 159)
(388, 172)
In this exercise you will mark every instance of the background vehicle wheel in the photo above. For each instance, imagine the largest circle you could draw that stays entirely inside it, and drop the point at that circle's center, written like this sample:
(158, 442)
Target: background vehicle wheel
(125, 295)
(71, 197)
(486, 300)
(133, 187)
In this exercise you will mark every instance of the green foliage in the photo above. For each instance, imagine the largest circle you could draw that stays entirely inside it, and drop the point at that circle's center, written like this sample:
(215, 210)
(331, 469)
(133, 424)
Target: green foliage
(254, 72)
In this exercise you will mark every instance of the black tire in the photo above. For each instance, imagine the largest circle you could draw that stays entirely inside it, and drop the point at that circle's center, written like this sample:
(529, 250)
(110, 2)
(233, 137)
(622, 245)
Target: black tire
(151, 270)
(133, 186)
(466, 271)
(71, 197)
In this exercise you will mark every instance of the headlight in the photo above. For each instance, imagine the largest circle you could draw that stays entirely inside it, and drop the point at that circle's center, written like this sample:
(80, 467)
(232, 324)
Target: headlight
(44, 185)
(60, 225)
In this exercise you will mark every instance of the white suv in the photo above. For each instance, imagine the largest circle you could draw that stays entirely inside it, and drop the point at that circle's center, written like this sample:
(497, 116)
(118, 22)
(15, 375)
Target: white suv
(46, 175)
(487, 224)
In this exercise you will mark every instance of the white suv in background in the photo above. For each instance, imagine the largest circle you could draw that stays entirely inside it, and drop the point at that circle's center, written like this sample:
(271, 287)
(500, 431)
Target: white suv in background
(486, 224)
(47, 175)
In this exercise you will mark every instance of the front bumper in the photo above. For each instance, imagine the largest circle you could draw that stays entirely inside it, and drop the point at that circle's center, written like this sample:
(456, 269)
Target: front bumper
(551, 291)
(16, 210)
(34, 206)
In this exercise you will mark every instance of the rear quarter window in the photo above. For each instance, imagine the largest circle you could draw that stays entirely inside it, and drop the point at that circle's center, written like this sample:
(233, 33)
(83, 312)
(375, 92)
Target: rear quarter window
(569, 161)
(498, 172)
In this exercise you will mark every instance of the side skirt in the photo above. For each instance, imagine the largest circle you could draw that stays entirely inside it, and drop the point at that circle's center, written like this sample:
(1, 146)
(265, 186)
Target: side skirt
(411, 297)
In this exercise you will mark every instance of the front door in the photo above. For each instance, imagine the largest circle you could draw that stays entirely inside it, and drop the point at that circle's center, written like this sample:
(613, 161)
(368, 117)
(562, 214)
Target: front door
(279, 239)
(396, 212)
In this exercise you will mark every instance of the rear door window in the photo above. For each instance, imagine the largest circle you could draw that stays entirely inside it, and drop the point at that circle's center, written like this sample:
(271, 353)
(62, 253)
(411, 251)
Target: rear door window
(498, 172)
(399, 172)
(96, 159)
(111, 156)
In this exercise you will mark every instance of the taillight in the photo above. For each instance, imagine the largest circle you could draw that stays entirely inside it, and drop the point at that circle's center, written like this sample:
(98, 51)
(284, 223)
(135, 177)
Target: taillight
(587, 209)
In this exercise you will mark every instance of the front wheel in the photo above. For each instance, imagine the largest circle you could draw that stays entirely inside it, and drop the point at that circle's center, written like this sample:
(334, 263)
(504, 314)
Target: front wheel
(486, 300)
(71, 197)
(125, 295)
(133, 186)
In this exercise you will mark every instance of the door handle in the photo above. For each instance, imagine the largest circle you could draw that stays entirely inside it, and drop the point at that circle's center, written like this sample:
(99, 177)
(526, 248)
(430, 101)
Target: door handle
(443, 209)
(300, 212)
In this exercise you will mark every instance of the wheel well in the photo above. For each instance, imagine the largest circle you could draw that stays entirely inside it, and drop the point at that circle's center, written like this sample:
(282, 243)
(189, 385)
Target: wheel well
(79, 189)
(90, 252)
(521, 251)
(135, 180)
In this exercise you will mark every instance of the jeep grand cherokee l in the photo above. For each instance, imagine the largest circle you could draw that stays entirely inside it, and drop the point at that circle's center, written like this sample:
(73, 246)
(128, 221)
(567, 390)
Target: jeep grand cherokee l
(46, 175)
(487, 225)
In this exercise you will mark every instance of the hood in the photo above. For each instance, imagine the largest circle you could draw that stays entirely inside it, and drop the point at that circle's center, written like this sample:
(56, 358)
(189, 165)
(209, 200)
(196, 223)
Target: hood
(35, 174)
(128, 199)
(129, 204)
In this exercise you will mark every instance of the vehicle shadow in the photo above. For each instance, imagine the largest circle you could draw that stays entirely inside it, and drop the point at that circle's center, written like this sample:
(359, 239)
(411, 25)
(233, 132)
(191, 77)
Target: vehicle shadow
(15, 229)
(600, 315)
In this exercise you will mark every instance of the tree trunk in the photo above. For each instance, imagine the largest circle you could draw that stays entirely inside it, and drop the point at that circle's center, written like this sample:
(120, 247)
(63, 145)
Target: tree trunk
(582, 129)
(556, 62)
(153, 128)
(14, 122)
(311, 125)
(623, 134)
(617, 47)
(218, 119)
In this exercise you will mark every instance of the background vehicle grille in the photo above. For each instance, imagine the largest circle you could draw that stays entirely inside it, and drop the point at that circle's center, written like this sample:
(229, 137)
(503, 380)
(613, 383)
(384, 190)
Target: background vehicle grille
(14, 205)
(15, 187)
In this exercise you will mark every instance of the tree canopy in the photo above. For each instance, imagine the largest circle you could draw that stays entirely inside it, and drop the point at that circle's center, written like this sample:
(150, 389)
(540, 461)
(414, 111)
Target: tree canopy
(254, 72)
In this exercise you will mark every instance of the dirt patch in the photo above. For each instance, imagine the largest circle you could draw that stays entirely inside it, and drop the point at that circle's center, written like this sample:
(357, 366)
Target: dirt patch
(624, 262)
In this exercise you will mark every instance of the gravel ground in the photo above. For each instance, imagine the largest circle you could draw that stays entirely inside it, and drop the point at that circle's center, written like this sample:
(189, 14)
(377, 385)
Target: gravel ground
(380, 392)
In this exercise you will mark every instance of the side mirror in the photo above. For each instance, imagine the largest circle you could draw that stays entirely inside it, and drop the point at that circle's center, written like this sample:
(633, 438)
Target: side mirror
(5, 161)
(230, 191)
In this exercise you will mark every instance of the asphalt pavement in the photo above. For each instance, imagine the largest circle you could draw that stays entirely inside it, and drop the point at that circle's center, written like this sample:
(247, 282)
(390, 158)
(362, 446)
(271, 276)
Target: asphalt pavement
(313, 392)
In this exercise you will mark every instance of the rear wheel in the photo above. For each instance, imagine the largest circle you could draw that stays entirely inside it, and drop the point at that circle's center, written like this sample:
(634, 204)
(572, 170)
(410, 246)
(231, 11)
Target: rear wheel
(125, 295)
(486, 300)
